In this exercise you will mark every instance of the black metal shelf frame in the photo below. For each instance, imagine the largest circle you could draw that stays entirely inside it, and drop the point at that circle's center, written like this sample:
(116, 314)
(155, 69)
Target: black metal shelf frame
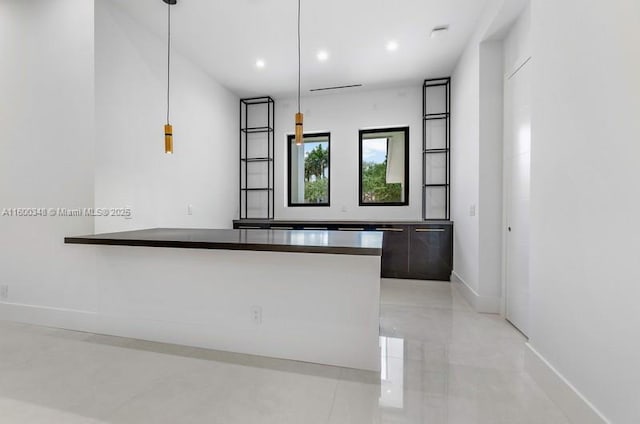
(256, 130)
(445, 115)
(265, 105)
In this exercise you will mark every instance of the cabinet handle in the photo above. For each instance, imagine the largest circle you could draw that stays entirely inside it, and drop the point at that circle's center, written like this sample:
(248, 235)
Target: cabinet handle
(398, 230)
(429, 230)
(282, 228)
(242, 227)
(314, 228)
(351, 229)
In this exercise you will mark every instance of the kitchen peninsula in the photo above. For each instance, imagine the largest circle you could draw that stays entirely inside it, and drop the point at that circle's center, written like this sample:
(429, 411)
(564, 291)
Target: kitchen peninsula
(303, 295)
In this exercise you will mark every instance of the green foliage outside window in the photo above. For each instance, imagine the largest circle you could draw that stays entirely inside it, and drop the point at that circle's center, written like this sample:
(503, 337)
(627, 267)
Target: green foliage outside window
(316, 182)
(316, 191)
(374, 184)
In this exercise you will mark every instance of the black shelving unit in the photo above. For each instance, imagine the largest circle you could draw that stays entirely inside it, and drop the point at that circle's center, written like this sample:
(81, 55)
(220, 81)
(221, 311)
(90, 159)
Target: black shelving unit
(436, 149)
(257, 118)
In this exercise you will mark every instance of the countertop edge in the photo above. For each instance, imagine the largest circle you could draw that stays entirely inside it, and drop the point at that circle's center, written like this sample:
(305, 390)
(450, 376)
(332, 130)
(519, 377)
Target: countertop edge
(339, 222)
(258, 247)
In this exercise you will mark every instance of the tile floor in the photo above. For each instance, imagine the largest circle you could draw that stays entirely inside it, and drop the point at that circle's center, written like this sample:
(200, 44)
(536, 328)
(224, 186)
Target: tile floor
(441, 363)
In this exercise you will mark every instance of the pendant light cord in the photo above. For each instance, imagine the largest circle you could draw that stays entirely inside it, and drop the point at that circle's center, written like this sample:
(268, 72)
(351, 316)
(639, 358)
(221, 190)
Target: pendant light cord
(299, 61)
(168, 57)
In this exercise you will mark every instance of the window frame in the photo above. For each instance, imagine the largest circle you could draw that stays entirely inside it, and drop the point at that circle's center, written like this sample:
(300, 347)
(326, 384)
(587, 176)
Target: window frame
(290, 138)
(361, 133)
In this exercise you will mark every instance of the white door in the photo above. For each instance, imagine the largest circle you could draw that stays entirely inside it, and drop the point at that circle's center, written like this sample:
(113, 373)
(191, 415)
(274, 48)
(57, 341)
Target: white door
(517, 161)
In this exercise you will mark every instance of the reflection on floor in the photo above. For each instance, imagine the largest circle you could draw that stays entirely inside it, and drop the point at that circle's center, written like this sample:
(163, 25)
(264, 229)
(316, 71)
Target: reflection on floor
(441, 363)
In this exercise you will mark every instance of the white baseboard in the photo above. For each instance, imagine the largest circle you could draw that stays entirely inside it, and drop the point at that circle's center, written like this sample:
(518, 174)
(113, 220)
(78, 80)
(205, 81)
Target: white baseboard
(575, 406)
(91, 322)
(49, 317)
(482, 304)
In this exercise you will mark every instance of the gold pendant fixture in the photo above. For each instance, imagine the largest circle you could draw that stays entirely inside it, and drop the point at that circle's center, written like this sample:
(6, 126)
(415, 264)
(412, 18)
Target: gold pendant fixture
(168, 139)
(299, 129)
(168, 128)
(299, 116)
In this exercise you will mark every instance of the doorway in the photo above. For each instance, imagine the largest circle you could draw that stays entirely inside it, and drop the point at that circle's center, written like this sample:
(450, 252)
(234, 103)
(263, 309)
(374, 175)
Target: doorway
(517, 165)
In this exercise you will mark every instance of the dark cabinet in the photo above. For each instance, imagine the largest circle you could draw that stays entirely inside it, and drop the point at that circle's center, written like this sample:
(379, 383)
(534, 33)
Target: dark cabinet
(413, 250)
(431, 252)
(395, 242)
(420, 252)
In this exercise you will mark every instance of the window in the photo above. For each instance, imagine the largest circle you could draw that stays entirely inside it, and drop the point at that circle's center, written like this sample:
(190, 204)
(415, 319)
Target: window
(384, 167)
(309, 170)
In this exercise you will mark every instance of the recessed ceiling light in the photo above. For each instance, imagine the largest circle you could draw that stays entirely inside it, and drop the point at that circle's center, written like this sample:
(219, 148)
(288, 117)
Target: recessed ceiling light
(323, 55)
(392, 46)
(439, 31)
(260, 64)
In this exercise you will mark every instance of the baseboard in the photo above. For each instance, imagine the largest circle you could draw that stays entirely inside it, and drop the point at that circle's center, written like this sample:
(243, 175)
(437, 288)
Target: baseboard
(49, 317)
(482, 304)
(179, 333)
(575, 406)
(91, 322)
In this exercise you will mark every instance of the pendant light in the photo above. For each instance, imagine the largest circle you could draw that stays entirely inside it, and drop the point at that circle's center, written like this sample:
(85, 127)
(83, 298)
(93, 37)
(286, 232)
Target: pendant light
(168, 128)
(299, 116)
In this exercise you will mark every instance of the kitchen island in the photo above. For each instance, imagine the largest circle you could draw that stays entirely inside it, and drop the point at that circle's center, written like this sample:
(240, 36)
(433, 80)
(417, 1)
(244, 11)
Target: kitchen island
(303, 295)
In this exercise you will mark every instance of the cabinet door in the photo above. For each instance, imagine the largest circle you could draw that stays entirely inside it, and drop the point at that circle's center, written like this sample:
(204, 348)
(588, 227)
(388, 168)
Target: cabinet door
(395, 251)
(431, 252)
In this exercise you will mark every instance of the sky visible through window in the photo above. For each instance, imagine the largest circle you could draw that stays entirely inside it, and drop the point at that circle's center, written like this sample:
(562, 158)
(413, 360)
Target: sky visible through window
(310, 145)
(375, 150)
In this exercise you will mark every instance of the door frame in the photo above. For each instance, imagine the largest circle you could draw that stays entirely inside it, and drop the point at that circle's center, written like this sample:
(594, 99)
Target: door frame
(519, 65)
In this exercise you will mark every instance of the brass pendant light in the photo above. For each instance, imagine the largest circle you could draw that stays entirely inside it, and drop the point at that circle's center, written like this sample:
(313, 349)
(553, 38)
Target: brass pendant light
(168, 128)
(299, 116)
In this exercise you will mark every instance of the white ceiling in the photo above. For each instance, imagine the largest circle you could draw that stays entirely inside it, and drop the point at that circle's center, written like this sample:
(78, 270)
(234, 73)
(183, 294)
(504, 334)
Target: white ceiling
(227, 37)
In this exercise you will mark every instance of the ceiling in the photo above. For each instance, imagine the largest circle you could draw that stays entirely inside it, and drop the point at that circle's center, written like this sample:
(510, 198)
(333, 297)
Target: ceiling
(227, 38)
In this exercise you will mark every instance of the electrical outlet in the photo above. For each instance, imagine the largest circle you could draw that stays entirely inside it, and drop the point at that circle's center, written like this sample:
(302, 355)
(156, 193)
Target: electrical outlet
(4, 292)
(256, 315)
(472, 210)
(189, 209)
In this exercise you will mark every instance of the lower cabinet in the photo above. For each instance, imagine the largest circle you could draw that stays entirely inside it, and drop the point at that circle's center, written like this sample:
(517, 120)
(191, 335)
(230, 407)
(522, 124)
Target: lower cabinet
(412, 250)
(395, 243)
(420, 252)
(431, 252)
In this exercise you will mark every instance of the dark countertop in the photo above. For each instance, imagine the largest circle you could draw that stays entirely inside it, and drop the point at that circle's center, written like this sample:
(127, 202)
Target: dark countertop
(366, 243)
(341, 223)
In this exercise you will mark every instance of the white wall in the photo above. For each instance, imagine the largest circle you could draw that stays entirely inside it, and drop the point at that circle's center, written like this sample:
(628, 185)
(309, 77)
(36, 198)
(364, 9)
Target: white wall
(476, 145)
(49, 149)
(517, 43)
(585, 199)
(465, 127)
(47, 160)
(132, 169)
(490, 175)
(343, 115)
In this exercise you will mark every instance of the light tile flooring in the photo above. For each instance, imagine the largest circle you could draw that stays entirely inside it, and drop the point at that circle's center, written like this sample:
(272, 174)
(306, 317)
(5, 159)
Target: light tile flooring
(441, 363)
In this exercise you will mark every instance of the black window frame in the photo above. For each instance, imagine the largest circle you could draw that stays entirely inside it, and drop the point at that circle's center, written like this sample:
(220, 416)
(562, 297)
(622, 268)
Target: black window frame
(361, 133)
(290, 138)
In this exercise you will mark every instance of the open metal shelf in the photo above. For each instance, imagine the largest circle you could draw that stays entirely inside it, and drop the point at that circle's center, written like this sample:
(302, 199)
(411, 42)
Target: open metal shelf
(257, 118)
(436, 95)
(256, 130)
